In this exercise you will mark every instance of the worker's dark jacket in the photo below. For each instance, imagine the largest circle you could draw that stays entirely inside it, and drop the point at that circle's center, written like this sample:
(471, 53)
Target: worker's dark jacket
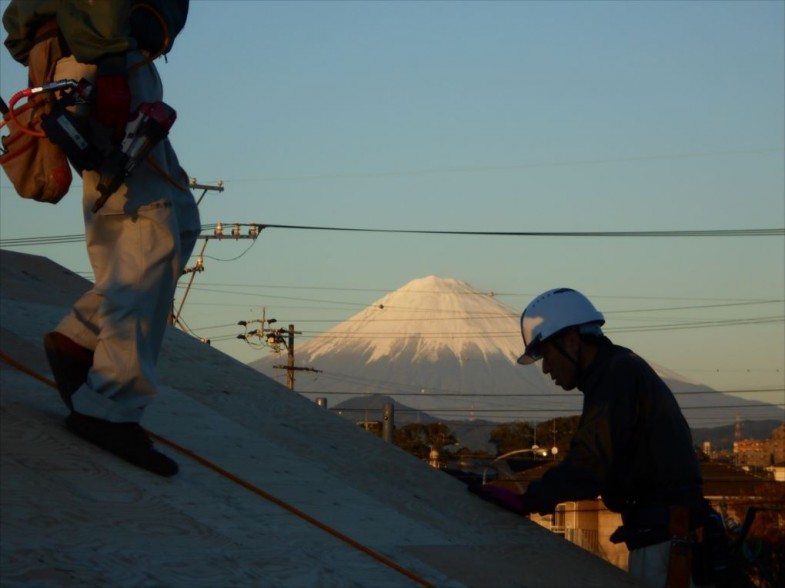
(95, 30)
(632, 447)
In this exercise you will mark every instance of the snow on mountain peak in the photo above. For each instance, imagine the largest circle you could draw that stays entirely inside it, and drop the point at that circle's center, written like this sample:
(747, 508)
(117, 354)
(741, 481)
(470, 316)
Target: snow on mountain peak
(429, 316)
(441, 347)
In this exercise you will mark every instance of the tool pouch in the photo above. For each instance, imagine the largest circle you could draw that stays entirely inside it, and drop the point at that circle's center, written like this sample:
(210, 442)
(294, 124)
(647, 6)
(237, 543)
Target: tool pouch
(711, 551)
(37, 168)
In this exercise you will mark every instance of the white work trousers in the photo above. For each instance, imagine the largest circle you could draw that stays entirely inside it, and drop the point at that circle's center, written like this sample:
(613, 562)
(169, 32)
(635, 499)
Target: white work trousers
(138, 244)
(650, 565)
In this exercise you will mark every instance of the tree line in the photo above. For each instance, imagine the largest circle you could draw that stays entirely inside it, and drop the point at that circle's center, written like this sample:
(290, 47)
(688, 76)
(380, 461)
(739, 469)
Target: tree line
(420, 438)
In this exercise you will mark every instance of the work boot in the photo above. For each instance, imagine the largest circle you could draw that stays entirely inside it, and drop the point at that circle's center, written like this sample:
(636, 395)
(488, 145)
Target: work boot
(126, 440)
(69, 362)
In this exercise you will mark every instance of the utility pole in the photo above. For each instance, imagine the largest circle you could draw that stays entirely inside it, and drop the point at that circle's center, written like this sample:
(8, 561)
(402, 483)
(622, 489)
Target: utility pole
(290, 363)
(199, 266)
(218, 233)
(266, 336)
(388, 423)
(274, 338)
(290, 367)
(219, 187)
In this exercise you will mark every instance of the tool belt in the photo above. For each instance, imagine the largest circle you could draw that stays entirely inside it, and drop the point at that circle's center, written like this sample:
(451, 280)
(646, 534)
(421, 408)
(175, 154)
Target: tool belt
(643, 527)
(699, 544)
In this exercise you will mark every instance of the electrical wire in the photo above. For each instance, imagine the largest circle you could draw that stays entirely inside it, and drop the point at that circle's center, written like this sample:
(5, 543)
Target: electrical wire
(468, 395)
(33, 241)
(254, 291)
(686, 324)
(519, 411)
(415, 390)
(247, 249)
(509, 166)
(713, 301)
(448, 335)
(764, 232)
(768, 232)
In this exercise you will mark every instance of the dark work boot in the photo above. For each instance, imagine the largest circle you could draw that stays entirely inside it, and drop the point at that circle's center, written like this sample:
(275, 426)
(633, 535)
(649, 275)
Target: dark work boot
(69, 362)
(126, 440)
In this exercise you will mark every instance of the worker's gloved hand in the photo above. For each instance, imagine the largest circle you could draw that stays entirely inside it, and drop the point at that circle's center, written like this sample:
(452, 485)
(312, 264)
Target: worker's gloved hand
(112, 100)
(502, 497)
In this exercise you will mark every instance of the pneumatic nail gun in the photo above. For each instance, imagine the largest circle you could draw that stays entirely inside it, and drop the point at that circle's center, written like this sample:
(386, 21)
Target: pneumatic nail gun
(144, 129)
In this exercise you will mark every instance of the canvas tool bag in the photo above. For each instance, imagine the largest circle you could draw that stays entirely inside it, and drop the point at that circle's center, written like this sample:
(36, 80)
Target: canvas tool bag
(37, 168)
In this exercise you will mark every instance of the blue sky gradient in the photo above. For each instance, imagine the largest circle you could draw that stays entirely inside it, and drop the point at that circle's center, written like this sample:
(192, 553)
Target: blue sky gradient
(484, 116)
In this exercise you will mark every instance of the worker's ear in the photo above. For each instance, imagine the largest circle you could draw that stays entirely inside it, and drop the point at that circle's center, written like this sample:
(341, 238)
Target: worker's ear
(571, 341)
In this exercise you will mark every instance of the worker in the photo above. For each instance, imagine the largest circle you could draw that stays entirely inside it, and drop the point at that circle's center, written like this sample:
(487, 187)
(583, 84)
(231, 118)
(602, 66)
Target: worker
(103, 354)
(632, 447)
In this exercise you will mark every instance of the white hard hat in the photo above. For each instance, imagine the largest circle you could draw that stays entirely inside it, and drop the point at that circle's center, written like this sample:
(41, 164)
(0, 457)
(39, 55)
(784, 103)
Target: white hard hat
(552, 312)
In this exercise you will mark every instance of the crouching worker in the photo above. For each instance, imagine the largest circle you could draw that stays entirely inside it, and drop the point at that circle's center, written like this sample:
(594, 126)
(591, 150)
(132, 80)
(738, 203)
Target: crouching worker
(632, 447)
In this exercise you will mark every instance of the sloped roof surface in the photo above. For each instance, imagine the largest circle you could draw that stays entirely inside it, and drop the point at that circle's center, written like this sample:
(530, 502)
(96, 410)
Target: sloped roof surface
(721, 479)
(297, 497)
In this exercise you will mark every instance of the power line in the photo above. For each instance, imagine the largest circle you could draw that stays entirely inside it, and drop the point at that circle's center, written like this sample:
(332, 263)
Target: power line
(415, 390)
(472, 395)
(31, 241)
(505, 411)
(767, 232)
(713, 300)
(551, 405)
(254, 290)
(441, 392)
(493, 167)
(770, 232)
(506, 166)
(447, 335)
(771, 320)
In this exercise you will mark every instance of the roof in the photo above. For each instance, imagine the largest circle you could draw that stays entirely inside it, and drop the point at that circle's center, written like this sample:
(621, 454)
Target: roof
(272, 489)
(721, 479)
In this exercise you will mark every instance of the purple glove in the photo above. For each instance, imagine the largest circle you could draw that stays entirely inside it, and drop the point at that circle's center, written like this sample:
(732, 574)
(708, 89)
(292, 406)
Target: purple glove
(502, 497)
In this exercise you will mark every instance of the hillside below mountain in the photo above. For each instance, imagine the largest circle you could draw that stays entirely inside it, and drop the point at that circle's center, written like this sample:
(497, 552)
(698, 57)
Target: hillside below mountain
(475, 434)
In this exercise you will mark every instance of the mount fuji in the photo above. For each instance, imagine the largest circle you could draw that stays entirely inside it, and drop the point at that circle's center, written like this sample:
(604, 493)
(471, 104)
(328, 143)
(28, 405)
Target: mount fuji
(440, 347)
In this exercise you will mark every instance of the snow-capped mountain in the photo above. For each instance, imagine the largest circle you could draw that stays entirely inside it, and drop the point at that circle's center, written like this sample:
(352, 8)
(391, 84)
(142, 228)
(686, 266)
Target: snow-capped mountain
(439, 346)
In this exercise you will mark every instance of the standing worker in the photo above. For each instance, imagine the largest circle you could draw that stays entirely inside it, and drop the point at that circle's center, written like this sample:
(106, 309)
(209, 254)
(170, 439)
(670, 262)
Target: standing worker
(103, 354)
(633, 446)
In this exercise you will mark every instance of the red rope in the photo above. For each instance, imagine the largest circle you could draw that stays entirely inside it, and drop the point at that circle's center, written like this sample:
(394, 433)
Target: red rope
(251, 487)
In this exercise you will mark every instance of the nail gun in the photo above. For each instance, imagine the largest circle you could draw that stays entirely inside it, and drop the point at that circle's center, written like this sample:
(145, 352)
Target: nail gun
(143, 131)
(146, 128)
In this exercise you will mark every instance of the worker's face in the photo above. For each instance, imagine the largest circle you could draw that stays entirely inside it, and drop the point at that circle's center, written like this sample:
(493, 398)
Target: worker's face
(555, 363)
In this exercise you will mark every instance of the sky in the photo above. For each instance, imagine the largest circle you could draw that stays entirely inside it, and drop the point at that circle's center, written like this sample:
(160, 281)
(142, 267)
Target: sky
(484, 117)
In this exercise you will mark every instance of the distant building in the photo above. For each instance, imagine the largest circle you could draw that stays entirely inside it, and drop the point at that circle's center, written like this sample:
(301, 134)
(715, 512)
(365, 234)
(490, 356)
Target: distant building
(761, 452)
(374, 427)
(587, 524)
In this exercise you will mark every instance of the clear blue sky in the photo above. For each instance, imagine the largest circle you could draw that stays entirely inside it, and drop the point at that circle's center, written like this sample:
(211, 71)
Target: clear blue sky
(486, 116)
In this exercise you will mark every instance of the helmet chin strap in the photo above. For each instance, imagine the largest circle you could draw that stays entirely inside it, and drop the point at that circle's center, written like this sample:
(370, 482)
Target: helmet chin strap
(576, 361)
